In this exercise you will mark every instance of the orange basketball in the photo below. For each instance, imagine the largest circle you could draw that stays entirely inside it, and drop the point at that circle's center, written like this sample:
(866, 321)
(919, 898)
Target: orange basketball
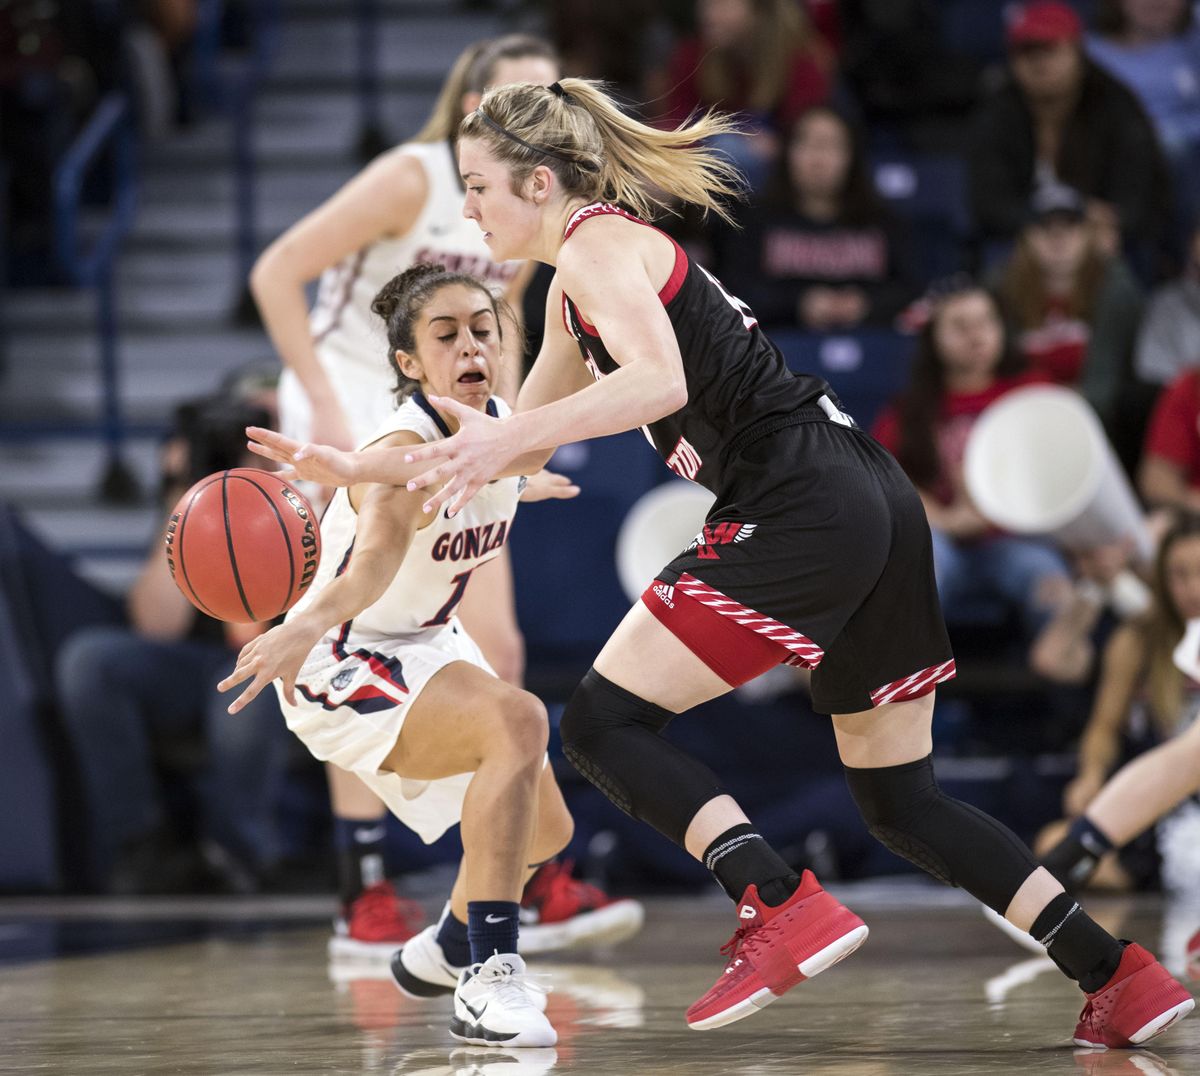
(243, 545)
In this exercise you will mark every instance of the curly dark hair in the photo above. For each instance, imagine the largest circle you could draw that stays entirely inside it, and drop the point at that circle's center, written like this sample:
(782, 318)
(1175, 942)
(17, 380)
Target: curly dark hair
(400, 302)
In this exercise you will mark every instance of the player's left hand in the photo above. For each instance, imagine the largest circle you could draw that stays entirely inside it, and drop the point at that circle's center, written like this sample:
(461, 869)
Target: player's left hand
(278, 654)
(469, 460)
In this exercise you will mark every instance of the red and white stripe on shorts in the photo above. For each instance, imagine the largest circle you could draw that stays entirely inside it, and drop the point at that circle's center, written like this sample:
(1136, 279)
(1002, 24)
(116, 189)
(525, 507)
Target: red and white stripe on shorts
(911, 687)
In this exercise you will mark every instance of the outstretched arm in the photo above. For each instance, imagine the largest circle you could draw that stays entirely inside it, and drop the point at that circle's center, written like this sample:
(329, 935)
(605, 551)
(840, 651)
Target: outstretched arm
(618, 296)
(388, 517)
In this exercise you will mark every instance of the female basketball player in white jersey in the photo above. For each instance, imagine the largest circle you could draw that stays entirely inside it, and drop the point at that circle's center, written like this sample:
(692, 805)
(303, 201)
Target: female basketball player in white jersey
(816, 552)
(380, 678)
(404, 208)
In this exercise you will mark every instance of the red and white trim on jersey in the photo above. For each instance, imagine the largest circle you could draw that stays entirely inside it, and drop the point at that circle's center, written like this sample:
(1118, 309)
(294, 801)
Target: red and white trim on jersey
(914, 686)
(733, 640)
(603, 209)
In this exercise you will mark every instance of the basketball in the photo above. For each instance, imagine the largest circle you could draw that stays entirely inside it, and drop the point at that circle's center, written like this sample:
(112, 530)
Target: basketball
(243, 545)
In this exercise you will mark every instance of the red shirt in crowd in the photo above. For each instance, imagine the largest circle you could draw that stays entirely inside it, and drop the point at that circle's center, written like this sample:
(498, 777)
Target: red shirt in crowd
(1173, 434)
(959, 412)
(1057, 347)
(807, 85)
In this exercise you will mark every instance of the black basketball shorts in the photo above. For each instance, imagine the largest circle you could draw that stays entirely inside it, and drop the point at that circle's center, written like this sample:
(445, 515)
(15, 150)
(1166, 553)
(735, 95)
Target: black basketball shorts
(816, 553)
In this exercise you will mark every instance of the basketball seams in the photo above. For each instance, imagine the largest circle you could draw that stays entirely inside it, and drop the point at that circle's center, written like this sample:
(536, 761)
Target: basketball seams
(237, 576)
(287, 540)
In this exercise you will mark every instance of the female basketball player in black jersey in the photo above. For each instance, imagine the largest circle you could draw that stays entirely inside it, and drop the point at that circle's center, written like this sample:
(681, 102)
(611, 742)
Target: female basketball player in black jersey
(816, 552)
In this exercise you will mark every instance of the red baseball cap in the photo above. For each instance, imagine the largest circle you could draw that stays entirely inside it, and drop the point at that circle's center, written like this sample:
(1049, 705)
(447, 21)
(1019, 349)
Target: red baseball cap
(1044, 22)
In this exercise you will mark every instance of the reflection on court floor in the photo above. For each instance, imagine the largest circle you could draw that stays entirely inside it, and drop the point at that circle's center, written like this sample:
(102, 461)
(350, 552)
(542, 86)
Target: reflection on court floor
(204, 986)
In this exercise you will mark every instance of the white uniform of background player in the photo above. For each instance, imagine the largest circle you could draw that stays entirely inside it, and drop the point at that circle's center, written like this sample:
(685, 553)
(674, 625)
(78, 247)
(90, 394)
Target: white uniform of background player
(350, 341)
(405, 207)
(359, 681)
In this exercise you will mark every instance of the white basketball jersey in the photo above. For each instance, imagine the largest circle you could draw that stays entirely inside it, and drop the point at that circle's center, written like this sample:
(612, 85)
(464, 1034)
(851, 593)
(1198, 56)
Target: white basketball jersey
(342, 320)
(439, 562)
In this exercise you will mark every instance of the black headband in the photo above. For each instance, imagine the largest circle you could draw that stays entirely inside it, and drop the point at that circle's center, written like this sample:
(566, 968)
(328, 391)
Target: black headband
(546, 151)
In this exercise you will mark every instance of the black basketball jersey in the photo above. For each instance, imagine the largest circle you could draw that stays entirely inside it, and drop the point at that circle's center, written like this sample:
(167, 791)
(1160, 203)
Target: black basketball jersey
(738, 384)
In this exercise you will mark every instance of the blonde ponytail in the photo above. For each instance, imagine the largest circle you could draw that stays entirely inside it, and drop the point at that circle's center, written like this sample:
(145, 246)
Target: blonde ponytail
(599, 153)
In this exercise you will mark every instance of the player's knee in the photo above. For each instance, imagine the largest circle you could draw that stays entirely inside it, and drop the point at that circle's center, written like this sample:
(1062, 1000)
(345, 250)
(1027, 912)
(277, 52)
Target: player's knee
(521, 725)
(894, 802)
(599, 708)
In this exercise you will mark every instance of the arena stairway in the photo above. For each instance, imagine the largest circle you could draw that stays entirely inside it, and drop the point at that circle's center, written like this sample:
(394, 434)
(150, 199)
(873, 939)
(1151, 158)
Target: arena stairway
(178, 279)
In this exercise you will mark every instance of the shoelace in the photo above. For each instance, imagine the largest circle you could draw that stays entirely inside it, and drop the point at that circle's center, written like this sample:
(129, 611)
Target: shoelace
(511, 984)
(742, 939)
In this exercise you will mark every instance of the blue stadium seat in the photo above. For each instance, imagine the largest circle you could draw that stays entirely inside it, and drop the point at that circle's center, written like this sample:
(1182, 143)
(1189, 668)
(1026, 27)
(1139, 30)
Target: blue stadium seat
(866, 368)
(929, 191)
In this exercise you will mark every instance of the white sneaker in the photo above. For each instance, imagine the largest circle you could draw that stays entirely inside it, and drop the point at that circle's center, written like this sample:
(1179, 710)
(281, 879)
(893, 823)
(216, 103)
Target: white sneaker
(1024, 940)
(421, 969)
(494, 1006)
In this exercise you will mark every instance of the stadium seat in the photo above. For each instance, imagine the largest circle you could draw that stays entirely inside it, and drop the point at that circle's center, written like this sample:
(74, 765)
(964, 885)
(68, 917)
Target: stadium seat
(866, 368)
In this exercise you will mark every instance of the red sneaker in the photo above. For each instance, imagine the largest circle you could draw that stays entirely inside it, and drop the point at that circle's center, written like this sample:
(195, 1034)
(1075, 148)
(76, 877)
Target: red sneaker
(1138, 1002)
(558, 910)
(375, 924)
(776, 948)
(1193, 957)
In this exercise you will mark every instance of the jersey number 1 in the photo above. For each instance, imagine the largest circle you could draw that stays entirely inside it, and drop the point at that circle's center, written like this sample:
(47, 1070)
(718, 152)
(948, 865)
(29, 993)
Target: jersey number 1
(442, 616)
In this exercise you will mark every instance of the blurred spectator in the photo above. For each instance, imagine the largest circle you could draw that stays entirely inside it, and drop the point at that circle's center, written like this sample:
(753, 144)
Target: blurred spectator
(962, 364)
(1169, 341)
(613, 40)
(903, 76)
(1074, 310)
(1169, 475)
(1142, 698)
(158, 39)
(760, 58)
(129, 694)
(1061, 118)
(57, 58)
(819, 250)
(1153, 46)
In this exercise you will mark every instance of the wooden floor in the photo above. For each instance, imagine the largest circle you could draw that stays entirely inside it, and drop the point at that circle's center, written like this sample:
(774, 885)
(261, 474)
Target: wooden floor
(217, 987)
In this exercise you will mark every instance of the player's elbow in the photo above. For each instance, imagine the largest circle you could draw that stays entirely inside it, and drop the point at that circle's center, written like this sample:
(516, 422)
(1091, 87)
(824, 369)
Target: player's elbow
(675, 394)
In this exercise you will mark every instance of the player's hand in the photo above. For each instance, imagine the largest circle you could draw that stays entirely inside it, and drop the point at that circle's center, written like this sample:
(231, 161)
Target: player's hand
(322, 464)
(466, 462)
(1080, 792)
(278, 654)
(546, 486)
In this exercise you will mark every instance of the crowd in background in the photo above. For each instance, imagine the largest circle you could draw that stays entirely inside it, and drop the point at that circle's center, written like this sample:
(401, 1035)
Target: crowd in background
(1063, 246)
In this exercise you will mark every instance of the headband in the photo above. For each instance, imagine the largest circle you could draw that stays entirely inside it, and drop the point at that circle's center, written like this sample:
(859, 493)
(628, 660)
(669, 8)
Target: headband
(545, 151)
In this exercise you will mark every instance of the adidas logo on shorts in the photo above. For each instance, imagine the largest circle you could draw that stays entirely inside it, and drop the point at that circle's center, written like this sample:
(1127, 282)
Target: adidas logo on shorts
(666, 594)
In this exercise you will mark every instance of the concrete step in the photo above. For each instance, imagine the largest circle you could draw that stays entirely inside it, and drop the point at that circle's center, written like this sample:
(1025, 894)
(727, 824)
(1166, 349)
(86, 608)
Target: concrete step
(421, 46)
(58, 472)
(57, 377)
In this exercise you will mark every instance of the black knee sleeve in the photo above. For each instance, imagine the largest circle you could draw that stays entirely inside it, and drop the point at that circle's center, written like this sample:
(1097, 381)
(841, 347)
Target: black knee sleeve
(907, 813)
(615, 740)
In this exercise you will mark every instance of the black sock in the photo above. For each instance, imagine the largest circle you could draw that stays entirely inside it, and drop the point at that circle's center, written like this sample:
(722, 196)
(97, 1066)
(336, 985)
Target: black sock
(1083, 949)
(1073, 860)
(360, 845)
(740, 857)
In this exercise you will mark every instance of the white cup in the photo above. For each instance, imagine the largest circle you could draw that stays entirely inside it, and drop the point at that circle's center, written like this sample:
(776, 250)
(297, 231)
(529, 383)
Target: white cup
(1038, 462)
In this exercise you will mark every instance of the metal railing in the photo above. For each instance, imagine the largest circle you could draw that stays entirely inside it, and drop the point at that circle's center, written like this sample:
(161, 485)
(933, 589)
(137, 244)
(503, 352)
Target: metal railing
(231, 88)
(107, 137)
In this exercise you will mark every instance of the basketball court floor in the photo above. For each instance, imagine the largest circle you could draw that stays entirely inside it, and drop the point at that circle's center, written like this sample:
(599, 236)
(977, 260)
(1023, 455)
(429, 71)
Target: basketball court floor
(244, 986)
